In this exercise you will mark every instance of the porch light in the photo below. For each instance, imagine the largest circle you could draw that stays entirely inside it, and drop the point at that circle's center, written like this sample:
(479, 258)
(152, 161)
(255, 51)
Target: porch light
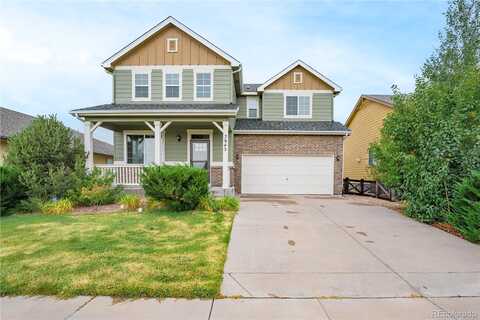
(179, 138)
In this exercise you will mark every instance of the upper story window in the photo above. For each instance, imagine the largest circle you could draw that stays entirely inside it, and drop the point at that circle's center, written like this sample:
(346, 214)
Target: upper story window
(172, 85)
(252, 107)
(203, 85)
(298, 106)
(141, 85)
(298, 77)
(172, 45)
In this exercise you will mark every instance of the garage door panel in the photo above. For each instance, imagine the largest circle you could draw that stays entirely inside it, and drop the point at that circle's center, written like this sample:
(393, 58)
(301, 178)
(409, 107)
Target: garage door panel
(287, 174)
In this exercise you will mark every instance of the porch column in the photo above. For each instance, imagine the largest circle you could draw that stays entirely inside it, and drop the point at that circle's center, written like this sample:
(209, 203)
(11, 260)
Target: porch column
(158, 141)
(225, 168)
(88, 143)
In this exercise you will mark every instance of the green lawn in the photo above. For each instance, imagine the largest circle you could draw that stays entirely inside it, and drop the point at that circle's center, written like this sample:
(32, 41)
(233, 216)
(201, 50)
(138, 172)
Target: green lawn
(155, 254)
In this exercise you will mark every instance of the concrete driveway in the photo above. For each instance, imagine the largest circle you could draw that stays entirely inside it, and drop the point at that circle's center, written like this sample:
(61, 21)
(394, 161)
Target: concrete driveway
(309, 247)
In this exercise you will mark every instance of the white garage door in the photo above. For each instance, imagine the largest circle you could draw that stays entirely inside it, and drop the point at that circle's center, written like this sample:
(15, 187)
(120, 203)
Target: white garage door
(287, 174)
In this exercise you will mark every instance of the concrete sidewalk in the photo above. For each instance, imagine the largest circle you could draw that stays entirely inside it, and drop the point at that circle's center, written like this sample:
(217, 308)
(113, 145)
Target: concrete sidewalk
(106, 308)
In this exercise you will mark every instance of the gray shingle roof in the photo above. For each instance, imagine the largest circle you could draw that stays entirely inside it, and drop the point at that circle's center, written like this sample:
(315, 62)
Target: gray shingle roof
(250, 87)
(260, 125)
(158, 106)
(386, 98)
(12, 122)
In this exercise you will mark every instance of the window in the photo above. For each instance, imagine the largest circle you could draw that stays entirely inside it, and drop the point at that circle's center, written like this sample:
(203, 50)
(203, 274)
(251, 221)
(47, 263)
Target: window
(297, 77)
(172, 85)
(203, 85)
(252, 107)
(141, 83)
(297, 106)
(140, 149)
(172, 45)
(371, 158)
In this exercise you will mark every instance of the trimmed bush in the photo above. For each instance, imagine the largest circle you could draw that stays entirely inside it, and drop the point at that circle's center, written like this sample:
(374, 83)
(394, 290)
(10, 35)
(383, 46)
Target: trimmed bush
(131, 202)
(61, 206)
(466, 208)
(94, 189)
(12, 191)
(181, 187)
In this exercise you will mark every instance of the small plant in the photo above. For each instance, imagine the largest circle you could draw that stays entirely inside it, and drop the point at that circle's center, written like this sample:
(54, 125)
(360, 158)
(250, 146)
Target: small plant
(131, 202)
(211, 204)
(466, 203)
(61, 206)
(97, 195)
(208, 203)
(152, 204)
(228, 203)
(180, 187)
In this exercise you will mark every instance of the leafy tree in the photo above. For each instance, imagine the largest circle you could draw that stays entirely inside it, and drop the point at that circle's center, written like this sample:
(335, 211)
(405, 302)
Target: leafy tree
(47, 156)
(431, 140)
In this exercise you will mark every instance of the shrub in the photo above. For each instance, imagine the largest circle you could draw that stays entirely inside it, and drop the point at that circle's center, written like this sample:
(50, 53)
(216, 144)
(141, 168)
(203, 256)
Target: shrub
(11, 190)
(180, 187)
(61, 206)
(466, 208)
(98, 195)
(228, 204)
(153, 204)
(46, 155)
(29, 205)
(131, 201)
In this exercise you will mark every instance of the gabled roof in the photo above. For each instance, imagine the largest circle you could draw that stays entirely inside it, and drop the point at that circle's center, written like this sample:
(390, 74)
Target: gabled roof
(384, 99)
(13, 122)
(169, 20)
(332, 84)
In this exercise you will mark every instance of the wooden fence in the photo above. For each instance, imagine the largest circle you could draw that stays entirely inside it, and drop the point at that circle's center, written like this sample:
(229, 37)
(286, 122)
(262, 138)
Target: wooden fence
(367, 188)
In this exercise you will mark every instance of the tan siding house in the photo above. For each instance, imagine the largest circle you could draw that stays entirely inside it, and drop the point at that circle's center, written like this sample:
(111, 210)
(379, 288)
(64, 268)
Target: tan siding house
(365, 122)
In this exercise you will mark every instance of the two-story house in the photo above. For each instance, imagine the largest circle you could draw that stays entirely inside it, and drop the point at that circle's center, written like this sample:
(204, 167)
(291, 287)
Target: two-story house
(178, 98)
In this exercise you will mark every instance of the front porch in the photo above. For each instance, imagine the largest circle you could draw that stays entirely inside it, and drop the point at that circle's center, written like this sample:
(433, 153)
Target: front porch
(202, 142)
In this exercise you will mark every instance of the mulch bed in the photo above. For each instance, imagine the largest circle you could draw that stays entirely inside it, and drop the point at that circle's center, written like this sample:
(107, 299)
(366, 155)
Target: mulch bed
(447, 228)
(109, 208)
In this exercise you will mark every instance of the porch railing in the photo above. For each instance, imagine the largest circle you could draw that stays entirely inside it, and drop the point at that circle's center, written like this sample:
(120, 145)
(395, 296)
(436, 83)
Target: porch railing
(125, 174)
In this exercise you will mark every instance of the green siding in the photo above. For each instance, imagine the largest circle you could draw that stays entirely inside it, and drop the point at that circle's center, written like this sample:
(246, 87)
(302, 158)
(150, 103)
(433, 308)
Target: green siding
(177, 150)
(222, 86)
(157, 85)
(187, 85)
(242, 107)
(122, 80)
(272, 106)
(118, 144)
(273, 109)
(322, 106)
(223, 90)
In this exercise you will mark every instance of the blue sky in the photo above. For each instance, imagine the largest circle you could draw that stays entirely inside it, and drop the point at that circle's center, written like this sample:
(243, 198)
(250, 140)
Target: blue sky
(50, 52)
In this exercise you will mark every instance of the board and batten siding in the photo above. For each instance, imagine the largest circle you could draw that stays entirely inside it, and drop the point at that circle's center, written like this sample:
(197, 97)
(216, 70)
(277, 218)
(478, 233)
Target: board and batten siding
(223, 90)
(273, 107)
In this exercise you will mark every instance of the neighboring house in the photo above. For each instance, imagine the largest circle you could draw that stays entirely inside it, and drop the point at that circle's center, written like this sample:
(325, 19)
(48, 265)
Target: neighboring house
(177, 98)
(12, 122)
(365, 121)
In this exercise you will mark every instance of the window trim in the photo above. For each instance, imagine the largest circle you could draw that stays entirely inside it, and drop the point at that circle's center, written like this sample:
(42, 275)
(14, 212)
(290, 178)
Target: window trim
(255, 98)
(295, 77)
(168, 45)
(164, 84)
(125, 145)
(142, 71)
(292, 94)
(195, 71)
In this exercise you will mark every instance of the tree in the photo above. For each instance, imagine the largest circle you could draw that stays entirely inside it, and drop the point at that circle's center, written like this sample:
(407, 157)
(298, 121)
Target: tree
(431, 140)
(47, 156)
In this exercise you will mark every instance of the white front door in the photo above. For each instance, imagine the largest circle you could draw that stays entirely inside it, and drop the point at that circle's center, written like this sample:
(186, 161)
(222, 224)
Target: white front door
(287, 174)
